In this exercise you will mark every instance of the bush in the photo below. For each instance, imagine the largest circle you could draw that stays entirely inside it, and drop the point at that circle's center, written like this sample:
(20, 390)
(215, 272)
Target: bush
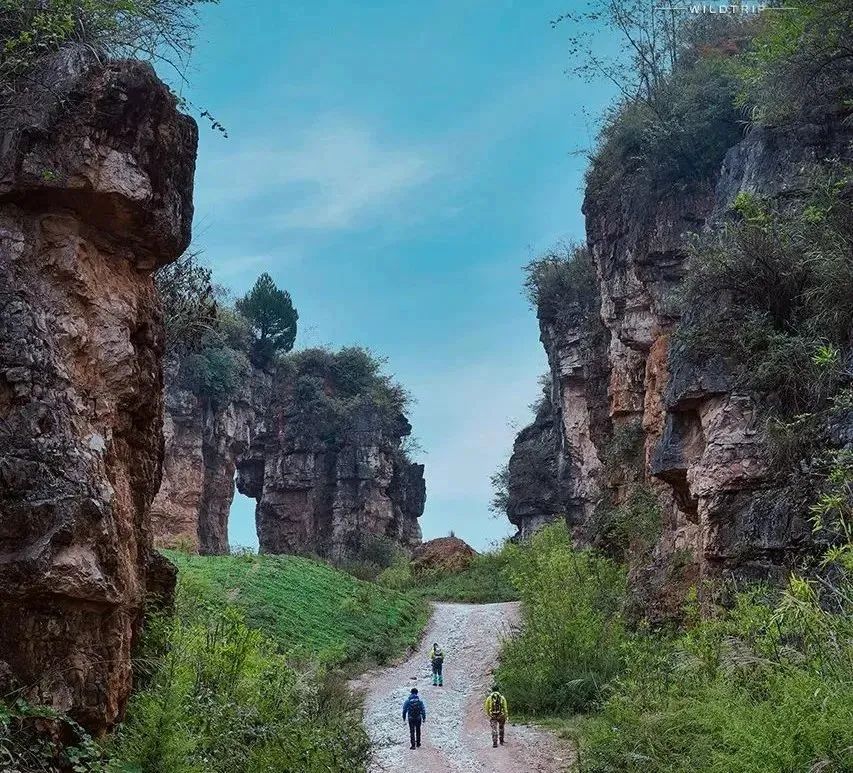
(801, 62)
(763, 687)
(769, 295)
(568, 647)
(634, 524)
(561, 285)
(671, 142)
(334, 392)
(220, 699)
(157, 30)
(214, 373)
(485, 581)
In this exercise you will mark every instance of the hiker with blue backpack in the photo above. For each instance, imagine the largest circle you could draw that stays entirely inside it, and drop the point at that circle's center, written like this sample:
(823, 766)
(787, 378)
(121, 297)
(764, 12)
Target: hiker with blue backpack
(414, 711)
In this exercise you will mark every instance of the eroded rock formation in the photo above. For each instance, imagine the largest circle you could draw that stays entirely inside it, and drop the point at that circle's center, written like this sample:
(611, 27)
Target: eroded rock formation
(318, 491)
(96, 174)
(618, 369)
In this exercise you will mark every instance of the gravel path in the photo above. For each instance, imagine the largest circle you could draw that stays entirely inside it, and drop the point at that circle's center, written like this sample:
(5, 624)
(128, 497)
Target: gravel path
(456, 736)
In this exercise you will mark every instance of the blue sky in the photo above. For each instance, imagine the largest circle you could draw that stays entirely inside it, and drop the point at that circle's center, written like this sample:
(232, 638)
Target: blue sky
(394, 165)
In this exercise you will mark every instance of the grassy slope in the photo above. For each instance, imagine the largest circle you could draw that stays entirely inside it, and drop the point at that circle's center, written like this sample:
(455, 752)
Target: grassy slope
(307, 607)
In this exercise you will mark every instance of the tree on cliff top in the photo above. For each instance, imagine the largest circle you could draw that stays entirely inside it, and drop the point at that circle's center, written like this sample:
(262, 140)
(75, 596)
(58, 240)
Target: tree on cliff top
(273, 318)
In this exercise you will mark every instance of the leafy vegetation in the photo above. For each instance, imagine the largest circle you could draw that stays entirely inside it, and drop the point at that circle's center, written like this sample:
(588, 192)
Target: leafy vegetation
(209, 344)
(156, 30)
(783, 273)
(485, 581)
(334, 391)
(305, 607)
(801, 62)
(241, 678)
(569, 646)
(272, 317)
(220, 694)
(561, 285)
(763, 684)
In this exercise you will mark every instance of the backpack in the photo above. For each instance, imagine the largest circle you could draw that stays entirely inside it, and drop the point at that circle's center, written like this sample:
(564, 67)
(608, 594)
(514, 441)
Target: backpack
(497, 704)
(416, 709)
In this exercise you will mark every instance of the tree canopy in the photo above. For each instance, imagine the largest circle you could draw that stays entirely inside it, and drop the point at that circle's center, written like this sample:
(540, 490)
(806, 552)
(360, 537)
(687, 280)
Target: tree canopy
(273, 318)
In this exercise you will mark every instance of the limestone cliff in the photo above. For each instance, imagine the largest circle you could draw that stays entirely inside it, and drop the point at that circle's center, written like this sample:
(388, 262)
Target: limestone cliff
(329, 475)
(96, 176)
(633, 408)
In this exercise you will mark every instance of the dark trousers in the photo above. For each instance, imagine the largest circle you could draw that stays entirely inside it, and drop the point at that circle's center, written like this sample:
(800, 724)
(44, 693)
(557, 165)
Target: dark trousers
(415, 731)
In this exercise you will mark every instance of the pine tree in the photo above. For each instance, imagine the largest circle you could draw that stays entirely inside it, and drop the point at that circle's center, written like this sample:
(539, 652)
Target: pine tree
(272, 316)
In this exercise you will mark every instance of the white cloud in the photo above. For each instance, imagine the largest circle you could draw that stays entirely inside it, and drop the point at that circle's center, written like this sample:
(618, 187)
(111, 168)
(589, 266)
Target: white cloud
(330, 176)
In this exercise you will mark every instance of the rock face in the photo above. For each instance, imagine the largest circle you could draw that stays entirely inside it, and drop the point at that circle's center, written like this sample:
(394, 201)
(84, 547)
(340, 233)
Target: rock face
(534, 495)
(96, 177)
(202, 444)
(317, 493)
(616, 371)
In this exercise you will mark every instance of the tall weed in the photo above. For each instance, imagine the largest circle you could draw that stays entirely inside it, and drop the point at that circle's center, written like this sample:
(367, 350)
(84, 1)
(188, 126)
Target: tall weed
(569, 645)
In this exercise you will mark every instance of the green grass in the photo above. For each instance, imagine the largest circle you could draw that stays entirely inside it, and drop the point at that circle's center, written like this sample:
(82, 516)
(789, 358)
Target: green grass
(484, 582)
(307, 608)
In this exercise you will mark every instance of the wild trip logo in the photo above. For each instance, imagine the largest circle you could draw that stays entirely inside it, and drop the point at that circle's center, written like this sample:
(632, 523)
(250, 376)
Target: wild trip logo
(721, 8)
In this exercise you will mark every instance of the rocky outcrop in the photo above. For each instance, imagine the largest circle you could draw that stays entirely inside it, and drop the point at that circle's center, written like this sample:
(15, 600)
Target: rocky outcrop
(322, 492)
(331, 494)
(620, 368)
(534, 493)
(96, 173)
(444, 554)
(203, 441)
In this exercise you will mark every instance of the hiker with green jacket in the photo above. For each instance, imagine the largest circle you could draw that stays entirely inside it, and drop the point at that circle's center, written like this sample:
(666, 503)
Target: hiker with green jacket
(498, 713)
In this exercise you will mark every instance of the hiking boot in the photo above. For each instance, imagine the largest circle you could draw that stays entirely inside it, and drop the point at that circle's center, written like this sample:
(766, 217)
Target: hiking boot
(494, 744)
(412, 746)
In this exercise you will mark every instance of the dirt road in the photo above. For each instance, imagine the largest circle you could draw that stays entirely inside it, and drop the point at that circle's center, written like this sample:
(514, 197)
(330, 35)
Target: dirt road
(456, 737)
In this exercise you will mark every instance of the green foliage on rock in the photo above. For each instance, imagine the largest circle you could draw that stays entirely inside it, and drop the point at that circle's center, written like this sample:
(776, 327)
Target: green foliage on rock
(769, 296)
(272, 317)
(561, 285)
(215, 371)
(218, 695)
(242, 677)
(762, 684)
(801, 62)
(335, 392)
(156, 30)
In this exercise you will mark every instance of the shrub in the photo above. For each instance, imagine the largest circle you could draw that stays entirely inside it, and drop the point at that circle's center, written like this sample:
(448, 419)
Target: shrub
(765, 686)
(334, 392)
(634, 524)
(484, 581)
(561, 285)
(220, 699)
(214, 373)
(157, 30)
(769, 295)
(568, 647)
(801, 62)
(671, 142)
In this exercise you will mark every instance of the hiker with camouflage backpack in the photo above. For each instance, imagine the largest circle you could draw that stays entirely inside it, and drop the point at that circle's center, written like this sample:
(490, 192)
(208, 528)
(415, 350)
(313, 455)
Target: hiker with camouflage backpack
(498, 713)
